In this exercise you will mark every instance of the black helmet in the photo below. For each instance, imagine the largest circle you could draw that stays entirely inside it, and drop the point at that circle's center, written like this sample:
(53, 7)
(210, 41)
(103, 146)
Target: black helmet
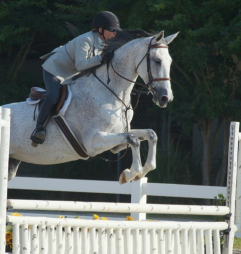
(106, 19)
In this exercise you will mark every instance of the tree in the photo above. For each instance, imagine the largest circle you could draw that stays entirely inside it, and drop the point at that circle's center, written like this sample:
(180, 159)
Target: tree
(206, 67)
(36, 27)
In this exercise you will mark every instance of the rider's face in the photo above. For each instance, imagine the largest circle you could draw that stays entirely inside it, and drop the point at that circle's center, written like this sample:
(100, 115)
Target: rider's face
(108, 35)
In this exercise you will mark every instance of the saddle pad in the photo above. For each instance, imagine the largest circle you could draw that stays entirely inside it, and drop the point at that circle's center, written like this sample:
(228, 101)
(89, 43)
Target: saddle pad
(62, 111)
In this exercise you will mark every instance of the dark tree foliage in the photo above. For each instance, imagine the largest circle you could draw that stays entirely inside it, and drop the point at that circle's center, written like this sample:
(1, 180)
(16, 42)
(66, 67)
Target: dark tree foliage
(206, 67)
(206, 55)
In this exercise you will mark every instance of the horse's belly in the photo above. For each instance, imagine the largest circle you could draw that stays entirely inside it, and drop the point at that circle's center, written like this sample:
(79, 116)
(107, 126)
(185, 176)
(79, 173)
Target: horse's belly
(54, 150)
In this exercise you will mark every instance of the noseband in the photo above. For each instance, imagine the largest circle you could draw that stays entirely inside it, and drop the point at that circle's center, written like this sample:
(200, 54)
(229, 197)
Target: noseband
(149, 85)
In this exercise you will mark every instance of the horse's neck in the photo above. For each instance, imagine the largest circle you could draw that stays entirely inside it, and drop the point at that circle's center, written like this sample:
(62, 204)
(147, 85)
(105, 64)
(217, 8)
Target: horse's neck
(123, 64)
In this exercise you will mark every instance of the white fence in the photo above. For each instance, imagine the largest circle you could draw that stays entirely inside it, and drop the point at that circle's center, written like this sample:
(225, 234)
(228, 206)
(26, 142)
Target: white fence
(61, 236)
(4, 151)
(138, 190)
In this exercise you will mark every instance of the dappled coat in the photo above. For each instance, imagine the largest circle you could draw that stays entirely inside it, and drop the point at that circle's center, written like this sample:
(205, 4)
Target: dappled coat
(77, 55)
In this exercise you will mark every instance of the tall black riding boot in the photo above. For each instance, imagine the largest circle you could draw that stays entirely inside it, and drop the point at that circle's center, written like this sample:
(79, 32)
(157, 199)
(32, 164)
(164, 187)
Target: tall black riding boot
(39, 134)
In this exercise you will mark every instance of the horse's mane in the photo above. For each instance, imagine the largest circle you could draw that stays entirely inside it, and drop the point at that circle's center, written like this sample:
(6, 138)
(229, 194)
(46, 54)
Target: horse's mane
(121, 38)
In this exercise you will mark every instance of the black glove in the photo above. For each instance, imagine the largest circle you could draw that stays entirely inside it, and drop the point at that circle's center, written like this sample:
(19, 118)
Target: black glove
(107, 56)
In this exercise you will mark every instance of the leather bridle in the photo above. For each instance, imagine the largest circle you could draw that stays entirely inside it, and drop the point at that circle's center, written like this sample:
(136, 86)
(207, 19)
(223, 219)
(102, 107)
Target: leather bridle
(149, 85)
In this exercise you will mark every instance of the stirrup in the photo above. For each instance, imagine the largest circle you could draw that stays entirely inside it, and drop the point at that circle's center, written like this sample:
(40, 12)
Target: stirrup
(38, 135)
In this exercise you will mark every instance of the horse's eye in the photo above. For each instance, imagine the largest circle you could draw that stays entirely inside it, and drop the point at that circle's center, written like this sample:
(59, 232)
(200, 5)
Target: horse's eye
(158, 61)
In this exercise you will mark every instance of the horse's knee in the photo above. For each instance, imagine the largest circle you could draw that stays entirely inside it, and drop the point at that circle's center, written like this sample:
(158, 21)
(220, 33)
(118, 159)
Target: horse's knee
(152, 136)
(12, 168)
(133, 141)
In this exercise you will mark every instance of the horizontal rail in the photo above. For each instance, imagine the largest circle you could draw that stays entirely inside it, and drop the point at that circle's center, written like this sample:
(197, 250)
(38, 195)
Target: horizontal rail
(51, 184)
(113, 187)
(117, 224)
(115, 207)
(184, 191)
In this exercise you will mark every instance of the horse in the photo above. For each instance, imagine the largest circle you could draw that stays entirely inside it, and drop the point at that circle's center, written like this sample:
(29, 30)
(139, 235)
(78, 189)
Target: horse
(100, 111)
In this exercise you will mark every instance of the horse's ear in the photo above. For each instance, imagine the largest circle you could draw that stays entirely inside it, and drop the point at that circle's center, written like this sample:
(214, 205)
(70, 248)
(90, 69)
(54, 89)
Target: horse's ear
(159, 36)
(170, 38)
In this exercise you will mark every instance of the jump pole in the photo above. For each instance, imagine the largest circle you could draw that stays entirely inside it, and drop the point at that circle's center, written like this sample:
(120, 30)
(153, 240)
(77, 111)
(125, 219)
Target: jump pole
(4, 156)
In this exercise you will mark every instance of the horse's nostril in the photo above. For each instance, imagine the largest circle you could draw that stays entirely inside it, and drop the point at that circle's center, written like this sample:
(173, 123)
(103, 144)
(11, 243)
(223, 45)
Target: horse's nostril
(164, 99)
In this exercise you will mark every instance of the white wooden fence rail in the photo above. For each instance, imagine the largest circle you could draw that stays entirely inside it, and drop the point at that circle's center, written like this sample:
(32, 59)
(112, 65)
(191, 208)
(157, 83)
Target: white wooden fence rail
(138, 190)
(112, 187)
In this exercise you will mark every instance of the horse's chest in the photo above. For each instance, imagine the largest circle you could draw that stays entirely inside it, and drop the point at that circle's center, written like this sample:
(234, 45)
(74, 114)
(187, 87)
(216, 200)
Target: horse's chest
(101, 113)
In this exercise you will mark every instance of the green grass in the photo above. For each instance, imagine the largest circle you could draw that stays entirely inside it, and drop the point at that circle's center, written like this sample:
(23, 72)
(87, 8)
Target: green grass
(237, 243)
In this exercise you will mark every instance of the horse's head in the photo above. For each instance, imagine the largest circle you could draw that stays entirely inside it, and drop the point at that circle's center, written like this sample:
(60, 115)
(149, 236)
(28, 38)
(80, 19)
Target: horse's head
(155, 71)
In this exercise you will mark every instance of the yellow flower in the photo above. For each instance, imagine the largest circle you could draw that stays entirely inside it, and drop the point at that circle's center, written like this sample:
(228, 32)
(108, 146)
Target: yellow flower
(61, 217)
(95, 217)
(104, 218)
(9, 238)
(77, 217)
(16, 214)
(129, 218)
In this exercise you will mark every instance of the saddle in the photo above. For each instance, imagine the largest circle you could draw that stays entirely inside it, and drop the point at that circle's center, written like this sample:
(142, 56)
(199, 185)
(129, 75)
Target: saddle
(37, 96)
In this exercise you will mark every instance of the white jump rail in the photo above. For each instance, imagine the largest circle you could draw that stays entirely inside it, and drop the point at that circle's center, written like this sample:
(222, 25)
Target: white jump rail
(138, 190)
(72, 236)
(115, 207)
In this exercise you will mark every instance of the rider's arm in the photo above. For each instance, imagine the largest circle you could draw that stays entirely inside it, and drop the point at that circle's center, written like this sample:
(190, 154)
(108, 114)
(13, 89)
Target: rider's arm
(83, 55)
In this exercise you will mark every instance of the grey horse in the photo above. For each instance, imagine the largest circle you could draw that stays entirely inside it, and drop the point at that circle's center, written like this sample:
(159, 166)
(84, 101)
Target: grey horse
(100, 113)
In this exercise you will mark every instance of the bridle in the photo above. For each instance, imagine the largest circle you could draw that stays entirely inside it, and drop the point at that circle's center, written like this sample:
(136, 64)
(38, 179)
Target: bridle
(149, 85)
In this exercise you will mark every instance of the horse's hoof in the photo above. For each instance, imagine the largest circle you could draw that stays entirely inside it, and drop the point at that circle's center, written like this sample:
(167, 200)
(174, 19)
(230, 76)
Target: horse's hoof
(137, 178)
(122, 178)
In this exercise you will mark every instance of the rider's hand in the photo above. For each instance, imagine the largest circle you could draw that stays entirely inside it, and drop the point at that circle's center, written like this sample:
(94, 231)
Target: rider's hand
(107, 56)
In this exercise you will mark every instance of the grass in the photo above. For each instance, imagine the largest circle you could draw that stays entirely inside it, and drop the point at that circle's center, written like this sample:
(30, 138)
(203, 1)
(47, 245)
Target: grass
(237, 243)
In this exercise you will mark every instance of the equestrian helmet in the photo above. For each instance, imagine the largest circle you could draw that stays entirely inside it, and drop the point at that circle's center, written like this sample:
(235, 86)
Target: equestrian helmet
(106, 19)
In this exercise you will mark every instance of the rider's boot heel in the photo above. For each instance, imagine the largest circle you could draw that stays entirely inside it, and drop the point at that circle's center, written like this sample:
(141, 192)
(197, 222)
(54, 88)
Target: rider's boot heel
(38, 135)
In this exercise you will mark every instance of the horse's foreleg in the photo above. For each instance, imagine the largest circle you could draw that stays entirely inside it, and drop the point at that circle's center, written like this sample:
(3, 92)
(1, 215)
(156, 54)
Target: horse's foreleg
(119, 148)
(151, 138)
(106, 141)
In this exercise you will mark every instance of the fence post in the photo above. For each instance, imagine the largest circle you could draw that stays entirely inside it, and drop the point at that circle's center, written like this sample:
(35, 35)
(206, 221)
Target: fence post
(231, 186)
(4, 155)
(138, 195)
(238, 193)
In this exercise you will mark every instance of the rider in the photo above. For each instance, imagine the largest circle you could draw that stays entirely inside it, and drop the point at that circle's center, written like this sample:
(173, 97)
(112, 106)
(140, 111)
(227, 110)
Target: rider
(64, 62)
